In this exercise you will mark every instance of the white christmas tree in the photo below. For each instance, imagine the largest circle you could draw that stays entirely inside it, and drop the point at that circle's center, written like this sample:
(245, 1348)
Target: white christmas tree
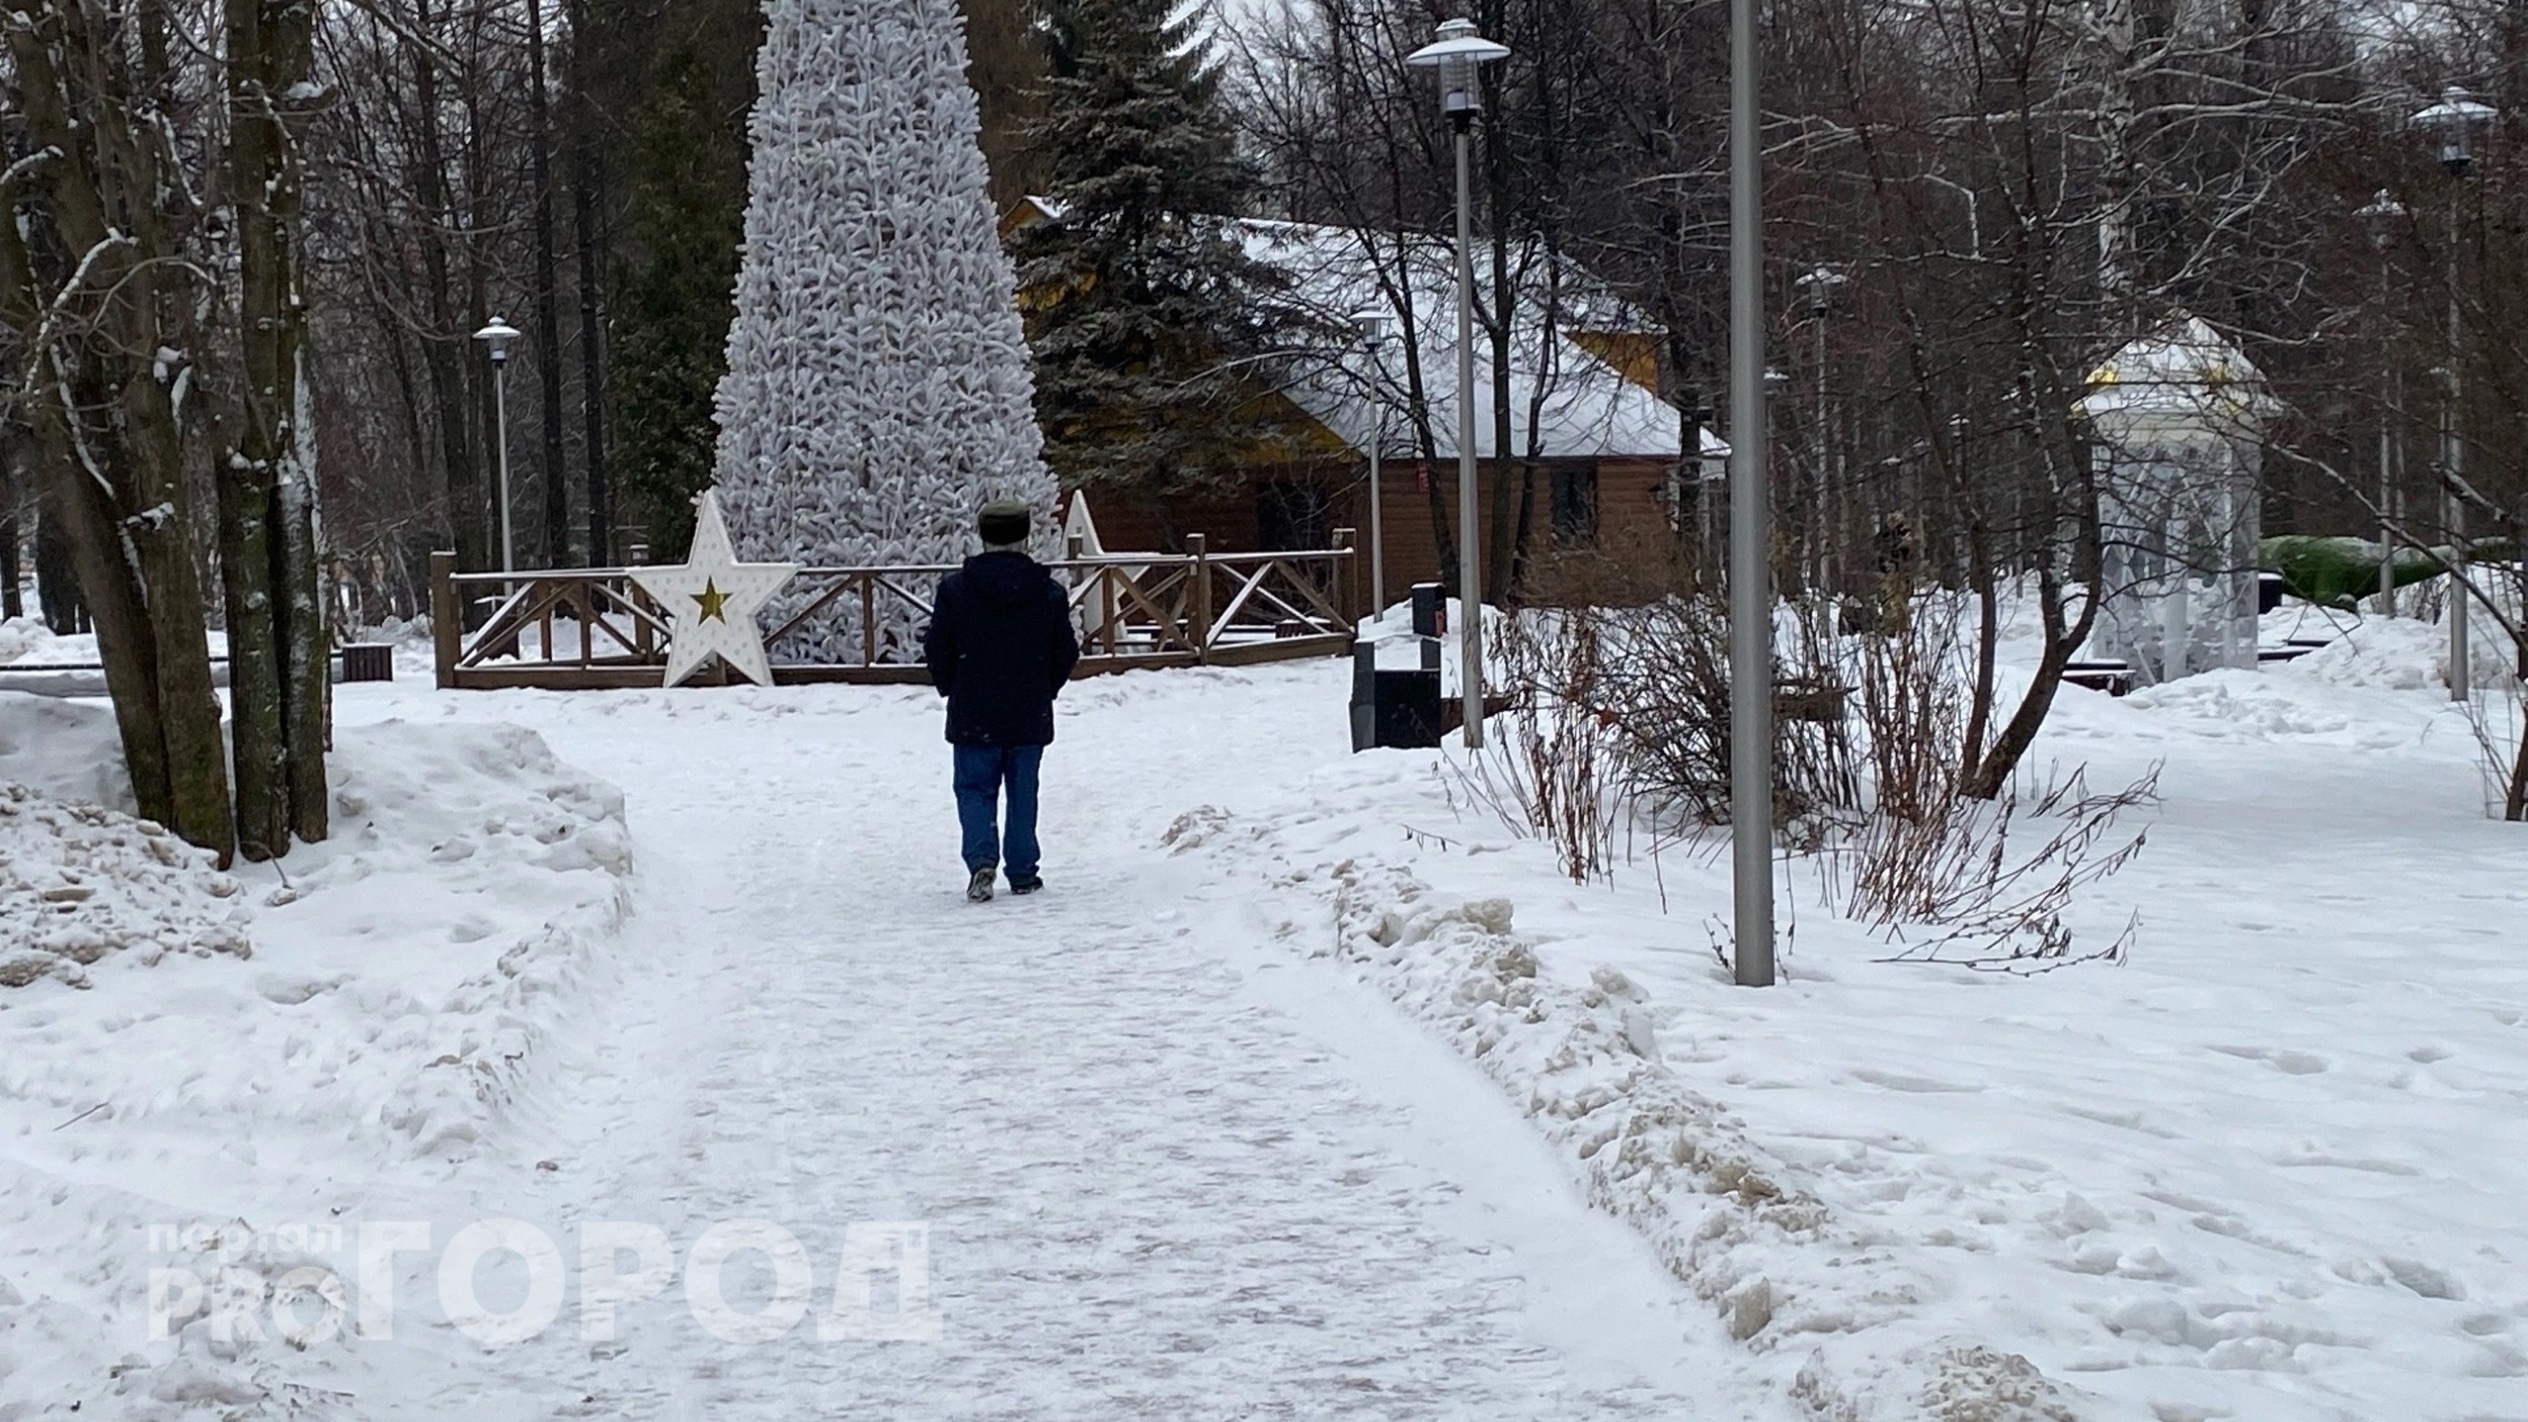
(878, 391)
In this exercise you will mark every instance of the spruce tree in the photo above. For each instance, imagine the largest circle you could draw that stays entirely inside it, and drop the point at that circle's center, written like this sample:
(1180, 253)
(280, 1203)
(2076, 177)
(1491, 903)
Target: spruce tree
(877, 391)
(1153, 329)
(687, 163)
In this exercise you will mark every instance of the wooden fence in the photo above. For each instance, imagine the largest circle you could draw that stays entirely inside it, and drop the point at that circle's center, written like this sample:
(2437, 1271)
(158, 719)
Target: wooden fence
(591, 628)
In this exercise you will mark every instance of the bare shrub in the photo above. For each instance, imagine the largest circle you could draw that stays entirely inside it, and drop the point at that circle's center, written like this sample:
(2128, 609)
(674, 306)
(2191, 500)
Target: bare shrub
(1964, 880)
(2498, 719)
(1925, 856)
(1618, 718)
(1552, 765)
(1913, 706)
(1665, 686)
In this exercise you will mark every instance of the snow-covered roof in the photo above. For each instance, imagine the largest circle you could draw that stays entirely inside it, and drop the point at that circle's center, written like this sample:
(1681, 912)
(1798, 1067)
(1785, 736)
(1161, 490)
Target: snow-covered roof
(2181, 375)
(1589, 407)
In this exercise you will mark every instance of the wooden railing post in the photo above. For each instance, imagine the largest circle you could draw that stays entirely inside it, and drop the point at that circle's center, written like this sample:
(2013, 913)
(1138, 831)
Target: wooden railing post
(869, 619)
(447, 619)
(1199, 546)
(1347, 578)
(1107, 607)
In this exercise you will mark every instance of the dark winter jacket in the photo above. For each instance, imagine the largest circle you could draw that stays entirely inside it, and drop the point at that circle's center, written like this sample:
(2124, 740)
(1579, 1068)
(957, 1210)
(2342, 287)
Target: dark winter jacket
(1000, 646)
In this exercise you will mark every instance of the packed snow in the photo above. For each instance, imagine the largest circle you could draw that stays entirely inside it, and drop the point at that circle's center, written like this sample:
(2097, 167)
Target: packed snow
(1308, 1087)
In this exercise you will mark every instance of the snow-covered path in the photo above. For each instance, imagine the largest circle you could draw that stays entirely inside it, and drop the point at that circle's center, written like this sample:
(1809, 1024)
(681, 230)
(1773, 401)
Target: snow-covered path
(1168, 1168)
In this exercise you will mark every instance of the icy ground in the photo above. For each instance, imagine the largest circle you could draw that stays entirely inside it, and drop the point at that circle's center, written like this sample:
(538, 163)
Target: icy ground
(1307, 1090)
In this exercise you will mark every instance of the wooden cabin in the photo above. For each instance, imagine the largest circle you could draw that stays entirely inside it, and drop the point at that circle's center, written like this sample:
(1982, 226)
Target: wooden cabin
(1593, 448)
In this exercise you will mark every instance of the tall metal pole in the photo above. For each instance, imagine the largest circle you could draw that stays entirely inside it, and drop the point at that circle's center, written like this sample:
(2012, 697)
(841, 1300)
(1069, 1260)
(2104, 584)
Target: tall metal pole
(1750, 570)
(1825, 569)
(2455, 120)
(1469, 540)
(500, 420)
(2382, 217)
(2387, 497)
(2381, 214)
(1377, 526)
(2453, 462)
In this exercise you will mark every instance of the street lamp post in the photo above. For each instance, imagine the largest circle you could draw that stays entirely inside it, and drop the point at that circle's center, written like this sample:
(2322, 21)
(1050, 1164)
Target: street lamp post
(1822, 286)
(2454, 121)
(1373, 328)
(1459, 55)
(1750, 575)
(496, 339)
(2381, 219)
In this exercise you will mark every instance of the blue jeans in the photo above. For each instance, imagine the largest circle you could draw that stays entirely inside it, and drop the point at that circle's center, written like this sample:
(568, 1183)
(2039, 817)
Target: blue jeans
(981, 773)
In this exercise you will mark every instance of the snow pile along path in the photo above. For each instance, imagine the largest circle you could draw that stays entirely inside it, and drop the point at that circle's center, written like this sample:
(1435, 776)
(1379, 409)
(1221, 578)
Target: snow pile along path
(2269, 1167)
(403, 972)
(1725, 1216)
(393, 993)
(497, 878)
(78, 882)
(63, 750)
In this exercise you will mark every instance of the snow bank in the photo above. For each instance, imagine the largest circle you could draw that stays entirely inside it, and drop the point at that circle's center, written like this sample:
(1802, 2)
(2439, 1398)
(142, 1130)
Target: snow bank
(78, 882)
(1725, 1215)
(28, 639)
(403, 978)
(2269, 1168)
(80, 877)
(410, 983)
(465, 898)
(62, 750)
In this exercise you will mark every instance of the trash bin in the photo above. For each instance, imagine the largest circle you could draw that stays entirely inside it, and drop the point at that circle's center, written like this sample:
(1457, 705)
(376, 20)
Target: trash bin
(1393, 710)
(1406, 710)
(1430, 610)
(368, 661)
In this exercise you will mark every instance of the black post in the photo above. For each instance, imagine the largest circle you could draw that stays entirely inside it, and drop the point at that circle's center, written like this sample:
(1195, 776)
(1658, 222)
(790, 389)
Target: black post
(12, 603)
(1364, 695)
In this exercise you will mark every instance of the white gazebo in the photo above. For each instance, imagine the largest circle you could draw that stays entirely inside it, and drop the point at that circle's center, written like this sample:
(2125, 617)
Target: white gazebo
(2179, 420)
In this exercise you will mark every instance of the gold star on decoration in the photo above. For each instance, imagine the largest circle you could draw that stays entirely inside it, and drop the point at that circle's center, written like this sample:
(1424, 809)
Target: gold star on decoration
(713, 600)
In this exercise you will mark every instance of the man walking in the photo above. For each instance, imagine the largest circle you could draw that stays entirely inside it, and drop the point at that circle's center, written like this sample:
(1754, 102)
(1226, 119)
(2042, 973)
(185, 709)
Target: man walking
(1000, 647)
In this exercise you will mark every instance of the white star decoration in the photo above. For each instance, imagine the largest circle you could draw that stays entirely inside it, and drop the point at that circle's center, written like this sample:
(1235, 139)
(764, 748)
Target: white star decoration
(713, 599)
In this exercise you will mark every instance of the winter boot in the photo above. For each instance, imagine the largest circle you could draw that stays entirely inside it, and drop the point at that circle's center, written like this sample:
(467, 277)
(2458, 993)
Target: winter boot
(979, 888)
(1028, 885)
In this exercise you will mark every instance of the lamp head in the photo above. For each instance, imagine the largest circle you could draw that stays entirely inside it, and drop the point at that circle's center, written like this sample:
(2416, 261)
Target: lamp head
(2454, 122)
(496, 339)
(1373, 327)
(1824, 286)
(2381, 218)
(1459, 55)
